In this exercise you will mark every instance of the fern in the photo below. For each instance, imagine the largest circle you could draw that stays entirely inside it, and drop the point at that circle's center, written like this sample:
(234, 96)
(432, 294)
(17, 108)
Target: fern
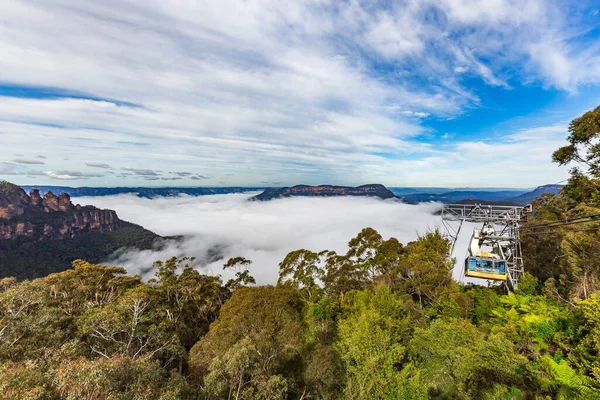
(567, 383)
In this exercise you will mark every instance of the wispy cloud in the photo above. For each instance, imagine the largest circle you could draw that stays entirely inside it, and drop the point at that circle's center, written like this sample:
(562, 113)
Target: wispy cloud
(70, 175)
(8, 168)
(28, 161)
(141, 172)
(305, 90)
(98, 165)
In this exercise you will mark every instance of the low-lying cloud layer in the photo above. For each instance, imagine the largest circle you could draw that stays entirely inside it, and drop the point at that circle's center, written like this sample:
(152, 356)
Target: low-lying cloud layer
(224, 226)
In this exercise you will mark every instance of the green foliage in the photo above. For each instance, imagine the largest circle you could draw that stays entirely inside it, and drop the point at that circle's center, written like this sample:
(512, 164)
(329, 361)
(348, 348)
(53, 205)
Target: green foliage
(588, 348)
(531, 322)
(566, 383)
(91, 332)
(362, 252)
(117, 378)
(528, 285)
(372, 338)
(25, 381)
(425, 270)
(255, 346)
(322, 320)
(190, 300)
(26, 260)
(324, 374)
(133, 326)
(302, 270)
(242, 276)
(484, 301)
(582, 148)
(458, 361)
(565, 258)
(358, 268)
(27, 321)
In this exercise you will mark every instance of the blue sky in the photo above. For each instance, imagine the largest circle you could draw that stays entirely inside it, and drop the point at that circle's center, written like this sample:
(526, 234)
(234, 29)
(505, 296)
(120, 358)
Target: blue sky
(449, 93)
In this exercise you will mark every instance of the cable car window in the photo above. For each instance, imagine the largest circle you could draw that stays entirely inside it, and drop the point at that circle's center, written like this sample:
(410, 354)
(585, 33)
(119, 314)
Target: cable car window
(501, 266)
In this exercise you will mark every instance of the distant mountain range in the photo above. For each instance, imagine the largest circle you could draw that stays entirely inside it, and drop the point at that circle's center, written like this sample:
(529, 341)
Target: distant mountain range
(411, 195)
(471, 196)
(455, 196)
(374, 190)
(408, 195)
(528, 197)
(146, 192)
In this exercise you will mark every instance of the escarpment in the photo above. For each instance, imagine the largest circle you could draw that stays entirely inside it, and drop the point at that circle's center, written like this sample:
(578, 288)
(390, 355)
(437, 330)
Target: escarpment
(49, 217)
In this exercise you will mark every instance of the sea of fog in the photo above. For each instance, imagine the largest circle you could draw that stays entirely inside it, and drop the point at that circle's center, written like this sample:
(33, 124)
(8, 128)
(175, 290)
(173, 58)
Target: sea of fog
(218, 227)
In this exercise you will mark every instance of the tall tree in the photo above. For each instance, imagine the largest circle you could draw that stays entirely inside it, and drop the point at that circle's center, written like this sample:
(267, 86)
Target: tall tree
(190, 300)
(563, 256)
(372, 343)
(254, 349)
(303, 270)
(424, 270)
(133, 326)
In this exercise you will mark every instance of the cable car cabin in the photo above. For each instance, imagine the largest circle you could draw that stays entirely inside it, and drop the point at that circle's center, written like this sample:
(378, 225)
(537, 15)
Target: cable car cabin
(487, 268)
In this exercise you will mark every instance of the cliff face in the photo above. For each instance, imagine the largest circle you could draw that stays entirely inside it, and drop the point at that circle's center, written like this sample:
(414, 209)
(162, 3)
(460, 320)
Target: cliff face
(326, 191)
(50, 217)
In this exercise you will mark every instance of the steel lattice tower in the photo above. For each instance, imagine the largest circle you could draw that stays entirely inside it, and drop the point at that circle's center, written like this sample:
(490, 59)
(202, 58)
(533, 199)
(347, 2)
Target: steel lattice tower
(507, 241)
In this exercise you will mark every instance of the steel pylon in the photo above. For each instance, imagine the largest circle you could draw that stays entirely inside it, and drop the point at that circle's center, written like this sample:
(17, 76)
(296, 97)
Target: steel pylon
(507, 241)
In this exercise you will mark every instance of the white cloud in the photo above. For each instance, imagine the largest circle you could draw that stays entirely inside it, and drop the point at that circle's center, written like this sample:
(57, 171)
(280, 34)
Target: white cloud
(415, 114)
(276, 91)
(225, 226)
(70, 175)
(141, 172)
(27, 161)
(98, 165)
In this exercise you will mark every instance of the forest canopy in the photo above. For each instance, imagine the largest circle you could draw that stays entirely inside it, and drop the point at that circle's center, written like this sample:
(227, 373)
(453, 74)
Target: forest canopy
(385, 320)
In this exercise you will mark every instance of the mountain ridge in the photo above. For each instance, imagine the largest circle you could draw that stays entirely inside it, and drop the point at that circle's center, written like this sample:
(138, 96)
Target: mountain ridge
(370, 190)
(144, 192)
(528, 197)
(411, 195)
(505, 197)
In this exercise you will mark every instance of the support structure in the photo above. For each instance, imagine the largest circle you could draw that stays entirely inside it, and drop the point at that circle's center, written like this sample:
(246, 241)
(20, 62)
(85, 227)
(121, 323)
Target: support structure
(506, 241)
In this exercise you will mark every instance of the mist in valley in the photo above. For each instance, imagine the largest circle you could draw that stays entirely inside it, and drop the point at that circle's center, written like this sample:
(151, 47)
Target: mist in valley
(218, 227)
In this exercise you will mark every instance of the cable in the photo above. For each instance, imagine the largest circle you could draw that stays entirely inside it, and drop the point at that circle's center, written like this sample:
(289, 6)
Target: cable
(576, 230)
(563, 220)
(566, 221)
(565, 224)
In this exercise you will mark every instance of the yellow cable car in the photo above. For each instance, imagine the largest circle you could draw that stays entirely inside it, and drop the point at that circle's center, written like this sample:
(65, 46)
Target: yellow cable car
(484, 264)
(486, 268)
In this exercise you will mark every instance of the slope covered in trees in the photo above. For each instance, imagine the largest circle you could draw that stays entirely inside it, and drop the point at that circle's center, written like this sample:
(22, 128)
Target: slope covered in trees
(385, 320)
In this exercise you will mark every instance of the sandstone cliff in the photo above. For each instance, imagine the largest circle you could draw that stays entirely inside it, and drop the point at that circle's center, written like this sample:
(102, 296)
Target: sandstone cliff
(326, 191)
(50, 217)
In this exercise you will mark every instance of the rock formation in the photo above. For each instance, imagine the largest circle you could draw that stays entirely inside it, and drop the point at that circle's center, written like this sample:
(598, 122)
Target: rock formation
(48, 218)
(36, 199)
(326, 191)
